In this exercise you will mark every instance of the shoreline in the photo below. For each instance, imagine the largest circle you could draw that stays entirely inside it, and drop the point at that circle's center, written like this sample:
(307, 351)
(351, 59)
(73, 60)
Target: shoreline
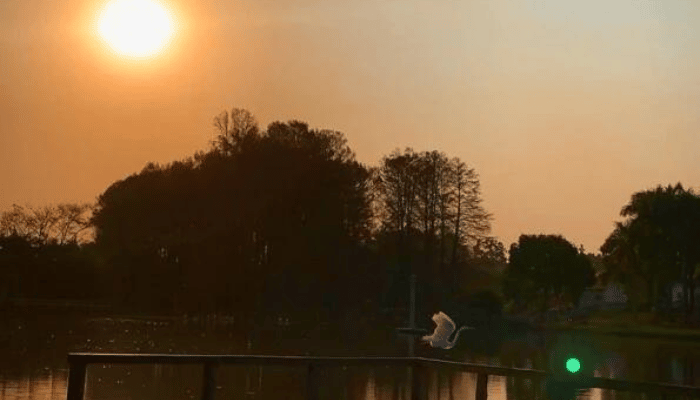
(651, 331)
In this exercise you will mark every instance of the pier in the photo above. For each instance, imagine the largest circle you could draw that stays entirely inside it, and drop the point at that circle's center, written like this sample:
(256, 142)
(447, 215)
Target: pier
(419, 367)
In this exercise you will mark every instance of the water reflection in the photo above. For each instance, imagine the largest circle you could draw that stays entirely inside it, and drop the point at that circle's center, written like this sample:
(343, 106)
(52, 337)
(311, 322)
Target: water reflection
(156, 382)
(34, 365)
(40, 385)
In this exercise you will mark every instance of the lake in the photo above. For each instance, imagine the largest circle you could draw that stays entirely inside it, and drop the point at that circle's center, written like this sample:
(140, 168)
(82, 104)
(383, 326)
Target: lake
(33, 366)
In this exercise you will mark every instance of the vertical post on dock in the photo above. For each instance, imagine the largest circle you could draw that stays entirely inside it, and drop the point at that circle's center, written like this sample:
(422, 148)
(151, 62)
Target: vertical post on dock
(209, 381)
(312, 383)
(482, 383)
(412, 316)
(76, 379)
(417, 376)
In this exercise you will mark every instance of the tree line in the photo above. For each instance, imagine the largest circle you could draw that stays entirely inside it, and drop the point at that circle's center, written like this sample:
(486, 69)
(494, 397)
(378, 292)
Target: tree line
(657, 244)
(286, 220)
(282, 219)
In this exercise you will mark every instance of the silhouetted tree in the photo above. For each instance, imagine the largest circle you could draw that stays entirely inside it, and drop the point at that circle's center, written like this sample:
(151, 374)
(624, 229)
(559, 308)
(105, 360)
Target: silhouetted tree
(29, 269)
(490, 252)
(233, 130)
(17, 265)
(62, 223)
(622, 264)
(471, 221)
(542, 268)
(43, 255)
(658, 240)
(271, 220)
(429, 210)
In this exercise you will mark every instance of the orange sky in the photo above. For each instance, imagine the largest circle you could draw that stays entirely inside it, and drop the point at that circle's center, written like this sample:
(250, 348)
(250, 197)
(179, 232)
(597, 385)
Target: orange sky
(564, 107)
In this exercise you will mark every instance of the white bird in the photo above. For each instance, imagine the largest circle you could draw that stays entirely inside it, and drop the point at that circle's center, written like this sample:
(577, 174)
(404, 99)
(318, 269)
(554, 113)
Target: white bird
(444, 329)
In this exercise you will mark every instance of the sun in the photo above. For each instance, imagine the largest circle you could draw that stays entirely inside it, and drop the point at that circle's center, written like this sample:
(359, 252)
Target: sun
(135, 28)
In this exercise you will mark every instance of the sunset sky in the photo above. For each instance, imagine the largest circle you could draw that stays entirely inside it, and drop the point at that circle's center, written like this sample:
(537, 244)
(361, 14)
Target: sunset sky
(564, 107)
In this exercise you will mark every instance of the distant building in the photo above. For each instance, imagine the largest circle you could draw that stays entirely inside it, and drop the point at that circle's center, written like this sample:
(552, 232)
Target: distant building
(675, 294)
(610, 297)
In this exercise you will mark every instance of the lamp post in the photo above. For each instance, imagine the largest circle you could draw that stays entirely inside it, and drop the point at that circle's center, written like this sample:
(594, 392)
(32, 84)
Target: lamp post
(412, 330)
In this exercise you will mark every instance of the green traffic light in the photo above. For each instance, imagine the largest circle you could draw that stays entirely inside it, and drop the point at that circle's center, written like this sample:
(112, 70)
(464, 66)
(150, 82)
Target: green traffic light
(573, 365)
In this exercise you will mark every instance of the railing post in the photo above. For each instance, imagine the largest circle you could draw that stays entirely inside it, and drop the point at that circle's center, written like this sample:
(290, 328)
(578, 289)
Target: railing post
(312, 383)
(76, 380)
(417, 382)
(482, 383)
(209, 381)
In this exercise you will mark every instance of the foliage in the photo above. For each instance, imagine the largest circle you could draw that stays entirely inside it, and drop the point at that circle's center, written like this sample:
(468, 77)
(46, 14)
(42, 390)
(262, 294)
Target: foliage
(272, 219)
(429, 211)
(281, 219)
(63, 223)
(48, 271)
(489, 252)
(545, 268)
(656, 243)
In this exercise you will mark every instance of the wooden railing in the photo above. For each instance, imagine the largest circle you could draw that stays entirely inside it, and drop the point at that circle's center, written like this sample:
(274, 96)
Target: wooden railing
(79, 361)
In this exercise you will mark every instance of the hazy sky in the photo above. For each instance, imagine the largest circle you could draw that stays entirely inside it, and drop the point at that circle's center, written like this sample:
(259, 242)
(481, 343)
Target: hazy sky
(564, 107)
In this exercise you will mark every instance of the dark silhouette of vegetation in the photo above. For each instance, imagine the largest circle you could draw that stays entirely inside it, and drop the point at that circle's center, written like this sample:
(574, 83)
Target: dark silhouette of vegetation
(267, 220)
(285, 220)
(490, 253)
(657, 244)
(46, 271)
(44, 253)
(429, 215)
(545, 269)
(61, 224)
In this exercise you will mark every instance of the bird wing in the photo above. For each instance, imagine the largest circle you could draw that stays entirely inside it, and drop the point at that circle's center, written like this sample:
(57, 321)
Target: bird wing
(447, 321)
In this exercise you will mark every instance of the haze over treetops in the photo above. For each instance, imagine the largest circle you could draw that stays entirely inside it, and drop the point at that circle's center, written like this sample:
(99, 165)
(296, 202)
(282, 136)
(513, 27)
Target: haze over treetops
(564, 108)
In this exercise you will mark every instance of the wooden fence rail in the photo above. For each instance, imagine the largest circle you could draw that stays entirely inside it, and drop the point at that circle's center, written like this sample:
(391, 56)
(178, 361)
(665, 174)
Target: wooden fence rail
(419, 366)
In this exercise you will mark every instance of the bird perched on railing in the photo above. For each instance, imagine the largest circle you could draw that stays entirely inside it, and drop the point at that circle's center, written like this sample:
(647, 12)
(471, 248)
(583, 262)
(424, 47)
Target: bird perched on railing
(443, 331)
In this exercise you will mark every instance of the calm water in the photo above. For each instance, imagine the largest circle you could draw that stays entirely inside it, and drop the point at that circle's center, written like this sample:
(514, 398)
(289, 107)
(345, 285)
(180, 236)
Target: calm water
(33, 363)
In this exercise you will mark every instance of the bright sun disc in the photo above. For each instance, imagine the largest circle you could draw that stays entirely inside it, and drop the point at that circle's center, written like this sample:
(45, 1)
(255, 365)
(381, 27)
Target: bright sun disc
(136, 28)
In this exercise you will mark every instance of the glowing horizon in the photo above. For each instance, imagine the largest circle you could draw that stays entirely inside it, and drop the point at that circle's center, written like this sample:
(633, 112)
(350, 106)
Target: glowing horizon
(564, 108)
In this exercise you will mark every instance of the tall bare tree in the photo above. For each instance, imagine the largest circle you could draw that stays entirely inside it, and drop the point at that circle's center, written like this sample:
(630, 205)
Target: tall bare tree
(432, 206)
(73, 223)
(15, 222)
(233, 129)
(471, 221)
(61, 224)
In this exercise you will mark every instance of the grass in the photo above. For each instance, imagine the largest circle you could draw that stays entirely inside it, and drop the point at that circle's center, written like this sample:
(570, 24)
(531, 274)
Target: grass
(623, 322)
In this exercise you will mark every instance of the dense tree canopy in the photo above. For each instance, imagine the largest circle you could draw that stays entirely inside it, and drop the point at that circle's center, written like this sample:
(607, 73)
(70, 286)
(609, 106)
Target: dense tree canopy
(657, 242)
(429, 214)
(44, 253)
(29, 269)
(270, 219)
(543, 269)
(275, 220)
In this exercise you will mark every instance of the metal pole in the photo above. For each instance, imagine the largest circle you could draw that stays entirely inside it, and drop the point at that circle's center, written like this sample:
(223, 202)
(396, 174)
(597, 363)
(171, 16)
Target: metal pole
(412, 315)
(412, 373)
